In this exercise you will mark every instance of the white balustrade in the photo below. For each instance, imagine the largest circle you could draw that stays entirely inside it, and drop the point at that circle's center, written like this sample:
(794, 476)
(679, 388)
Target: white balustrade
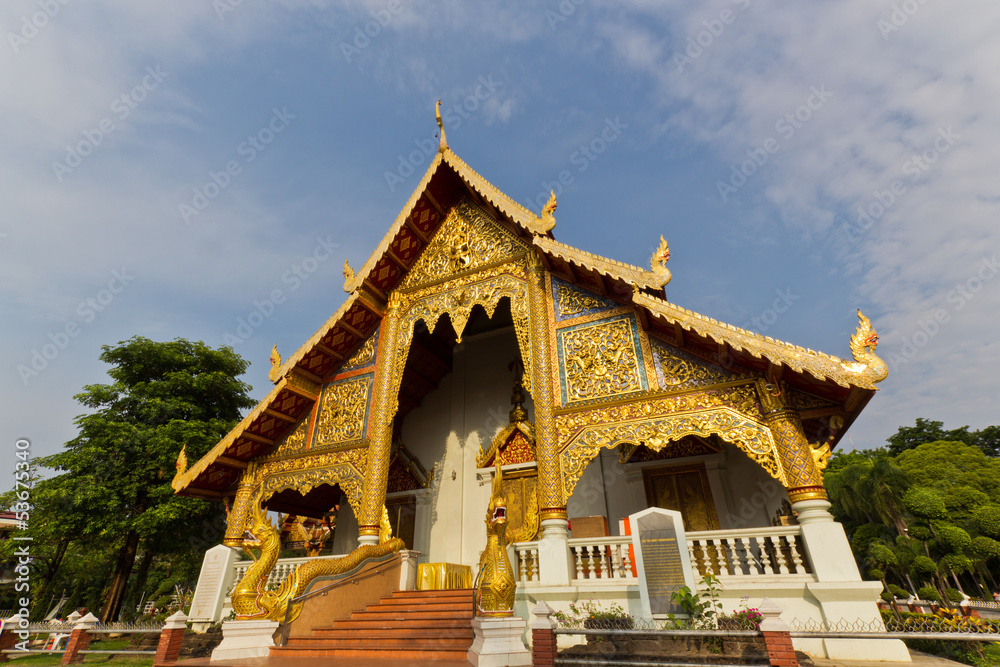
(281, 569)
(527, 561)
(771, 550)
(605, 558)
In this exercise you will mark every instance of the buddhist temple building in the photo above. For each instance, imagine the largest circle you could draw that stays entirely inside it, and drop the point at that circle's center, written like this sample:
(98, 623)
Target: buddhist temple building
(471, 337)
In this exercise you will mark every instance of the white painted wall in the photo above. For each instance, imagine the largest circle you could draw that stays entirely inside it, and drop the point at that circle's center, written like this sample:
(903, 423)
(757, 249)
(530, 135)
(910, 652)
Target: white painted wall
(450, 427)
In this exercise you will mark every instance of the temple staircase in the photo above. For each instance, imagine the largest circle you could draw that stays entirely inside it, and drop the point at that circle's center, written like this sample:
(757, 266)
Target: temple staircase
(409, 625)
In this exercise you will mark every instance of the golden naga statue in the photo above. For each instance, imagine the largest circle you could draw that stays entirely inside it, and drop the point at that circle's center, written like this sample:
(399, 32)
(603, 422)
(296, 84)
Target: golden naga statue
(494, 595)
(252, 600)
(658, 262)
(863, 344)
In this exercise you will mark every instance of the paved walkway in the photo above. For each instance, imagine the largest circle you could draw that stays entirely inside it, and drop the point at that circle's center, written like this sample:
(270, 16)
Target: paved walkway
(919, 660)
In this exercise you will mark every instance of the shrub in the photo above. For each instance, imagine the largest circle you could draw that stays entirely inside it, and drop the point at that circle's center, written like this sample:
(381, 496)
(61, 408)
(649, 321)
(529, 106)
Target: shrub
(899, 592)
(929, 593)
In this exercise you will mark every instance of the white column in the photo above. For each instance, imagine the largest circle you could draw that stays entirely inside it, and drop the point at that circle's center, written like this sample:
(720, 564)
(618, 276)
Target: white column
(555, 563)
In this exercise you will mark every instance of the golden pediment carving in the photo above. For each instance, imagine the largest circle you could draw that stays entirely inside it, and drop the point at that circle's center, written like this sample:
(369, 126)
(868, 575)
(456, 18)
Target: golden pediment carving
(600, 360)
(468, 239)
(294, 442)
(676, 369)
(342, 412)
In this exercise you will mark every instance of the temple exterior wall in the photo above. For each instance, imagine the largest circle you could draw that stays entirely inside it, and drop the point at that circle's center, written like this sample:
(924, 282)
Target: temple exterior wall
(447, 431)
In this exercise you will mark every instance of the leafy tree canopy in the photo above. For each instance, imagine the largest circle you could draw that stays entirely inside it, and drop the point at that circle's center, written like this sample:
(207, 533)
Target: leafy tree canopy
(114, 481)
(925, 430)
(948, 464)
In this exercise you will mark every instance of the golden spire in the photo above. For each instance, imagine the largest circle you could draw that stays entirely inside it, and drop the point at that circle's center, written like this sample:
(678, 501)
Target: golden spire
(443, 143)
(517, 413)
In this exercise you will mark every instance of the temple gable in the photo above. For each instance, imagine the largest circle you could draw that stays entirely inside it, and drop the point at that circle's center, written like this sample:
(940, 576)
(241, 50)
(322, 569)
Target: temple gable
(469, 239)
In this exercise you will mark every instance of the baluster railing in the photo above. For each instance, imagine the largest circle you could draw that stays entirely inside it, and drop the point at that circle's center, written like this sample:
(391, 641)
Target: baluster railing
(766, 551)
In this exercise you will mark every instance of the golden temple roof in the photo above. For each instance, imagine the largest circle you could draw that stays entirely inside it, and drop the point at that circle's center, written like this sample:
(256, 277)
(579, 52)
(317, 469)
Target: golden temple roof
(299, 377)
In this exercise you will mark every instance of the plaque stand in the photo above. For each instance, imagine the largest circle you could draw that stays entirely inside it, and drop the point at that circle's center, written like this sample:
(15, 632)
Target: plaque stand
(661, 557)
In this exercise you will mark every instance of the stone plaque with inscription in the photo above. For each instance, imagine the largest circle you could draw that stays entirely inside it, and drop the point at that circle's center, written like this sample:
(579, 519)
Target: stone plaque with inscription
(217, 575)
(661, 558)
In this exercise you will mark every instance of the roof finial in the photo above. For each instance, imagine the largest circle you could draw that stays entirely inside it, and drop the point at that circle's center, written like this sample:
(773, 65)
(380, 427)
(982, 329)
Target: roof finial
(348, 277)
(443, 143)
(658, 262)
(547, 218)
(275, 364)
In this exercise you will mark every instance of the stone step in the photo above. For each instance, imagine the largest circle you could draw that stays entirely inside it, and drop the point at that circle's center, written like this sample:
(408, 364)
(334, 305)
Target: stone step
(407, 630)
(416, 650)
(403, 615)
(385, 624)
(430, 599)
(412, 606)
(374, 640)
(409, 625)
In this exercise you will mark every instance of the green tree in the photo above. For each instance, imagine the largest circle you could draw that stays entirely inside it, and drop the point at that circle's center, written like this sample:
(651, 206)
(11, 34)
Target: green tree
(163, 396)
(945, 465)
(925, 430)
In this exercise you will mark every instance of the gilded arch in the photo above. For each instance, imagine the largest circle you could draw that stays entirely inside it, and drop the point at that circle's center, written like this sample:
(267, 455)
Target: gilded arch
(729, 413)
(457, 298)
(345, 468)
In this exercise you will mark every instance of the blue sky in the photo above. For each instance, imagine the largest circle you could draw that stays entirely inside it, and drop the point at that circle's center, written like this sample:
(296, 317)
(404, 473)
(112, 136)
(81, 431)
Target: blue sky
(169, 167)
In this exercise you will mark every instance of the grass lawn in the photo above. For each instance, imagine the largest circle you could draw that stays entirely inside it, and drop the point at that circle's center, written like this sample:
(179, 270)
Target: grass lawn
(53, 659)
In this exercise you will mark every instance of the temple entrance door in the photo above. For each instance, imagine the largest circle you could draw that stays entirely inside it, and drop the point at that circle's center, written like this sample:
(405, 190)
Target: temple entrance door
(684, 489)
(402, 517)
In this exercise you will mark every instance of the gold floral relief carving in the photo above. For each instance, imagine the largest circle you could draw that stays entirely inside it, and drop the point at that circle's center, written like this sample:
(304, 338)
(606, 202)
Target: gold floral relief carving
(345, 468)
(365, 355)
(295, 441)
(600, 360)
(679, 370)
(750, 436)
(342, 412)
(741, 398)
(468, 238)
(572, 301)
